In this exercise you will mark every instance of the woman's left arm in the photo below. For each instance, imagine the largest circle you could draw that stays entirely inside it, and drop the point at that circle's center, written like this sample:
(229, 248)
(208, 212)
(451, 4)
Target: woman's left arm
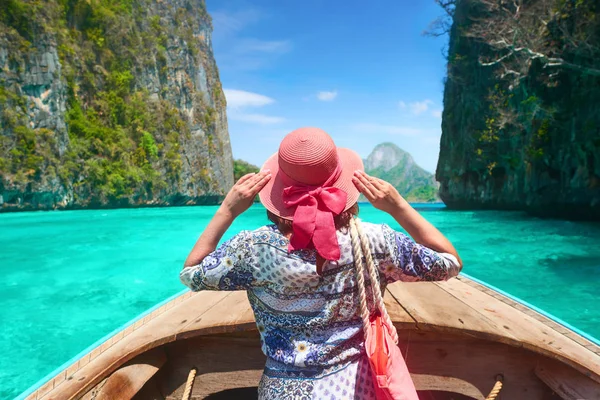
(238, 200)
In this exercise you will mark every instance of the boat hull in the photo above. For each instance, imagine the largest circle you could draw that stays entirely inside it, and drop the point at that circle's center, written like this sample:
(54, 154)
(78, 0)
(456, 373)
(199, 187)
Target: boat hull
(458, 337)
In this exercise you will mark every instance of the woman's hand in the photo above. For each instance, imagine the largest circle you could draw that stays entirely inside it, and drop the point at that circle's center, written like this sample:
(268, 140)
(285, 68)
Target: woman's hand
(242, 194)
(380, 193)
(386, 198)
(238, 200)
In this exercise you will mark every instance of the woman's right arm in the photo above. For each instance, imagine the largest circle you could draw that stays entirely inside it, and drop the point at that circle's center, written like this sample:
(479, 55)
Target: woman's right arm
(386, 198)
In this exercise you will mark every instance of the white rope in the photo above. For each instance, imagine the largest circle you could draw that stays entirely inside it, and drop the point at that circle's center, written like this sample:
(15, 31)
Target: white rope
(374, 274)
(187, 391)
(360, 246)
(497, 388)
(360, 276)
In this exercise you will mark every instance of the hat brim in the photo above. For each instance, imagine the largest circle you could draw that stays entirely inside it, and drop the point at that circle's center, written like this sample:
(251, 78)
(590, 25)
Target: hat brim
(271, 196)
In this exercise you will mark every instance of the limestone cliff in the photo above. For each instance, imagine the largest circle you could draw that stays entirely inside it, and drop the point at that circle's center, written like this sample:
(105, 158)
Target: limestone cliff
(110, 103)
(390, 163)
(521, 126)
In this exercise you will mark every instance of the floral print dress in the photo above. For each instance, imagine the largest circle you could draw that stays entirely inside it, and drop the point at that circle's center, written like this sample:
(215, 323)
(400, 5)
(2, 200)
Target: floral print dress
(310, 326)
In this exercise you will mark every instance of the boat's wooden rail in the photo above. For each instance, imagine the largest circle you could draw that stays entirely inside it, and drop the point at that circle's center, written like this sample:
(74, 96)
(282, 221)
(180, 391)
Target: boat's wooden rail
(462, 305)
(188, 315)
(459, 306)
(560, 329)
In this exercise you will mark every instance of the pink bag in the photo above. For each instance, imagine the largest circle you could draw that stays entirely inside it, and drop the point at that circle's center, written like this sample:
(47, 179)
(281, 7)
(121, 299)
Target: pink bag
(390, 373)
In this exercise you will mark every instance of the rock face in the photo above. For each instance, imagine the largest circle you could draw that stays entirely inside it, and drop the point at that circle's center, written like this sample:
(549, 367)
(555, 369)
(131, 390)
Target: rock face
(113, 104)
(531, 146)
(389, 162)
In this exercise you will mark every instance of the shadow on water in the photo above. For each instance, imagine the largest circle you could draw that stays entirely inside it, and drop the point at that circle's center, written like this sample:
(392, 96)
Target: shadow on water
(572, 267)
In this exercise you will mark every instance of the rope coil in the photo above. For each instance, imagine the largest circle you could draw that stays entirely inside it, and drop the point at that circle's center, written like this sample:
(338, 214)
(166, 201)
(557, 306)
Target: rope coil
(362, 249)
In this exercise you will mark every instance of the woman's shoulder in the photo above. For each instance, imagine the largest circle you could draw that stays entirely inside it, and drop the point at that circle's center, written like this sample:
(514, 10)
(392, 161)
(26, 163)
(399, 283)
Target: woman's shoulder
(267, 234)
(373, 229)
(379, 234)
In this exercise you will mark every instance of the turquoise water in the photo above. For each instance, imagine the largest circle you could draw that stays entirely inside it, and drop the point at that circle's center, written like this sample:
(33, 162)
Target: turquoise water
(69, 278)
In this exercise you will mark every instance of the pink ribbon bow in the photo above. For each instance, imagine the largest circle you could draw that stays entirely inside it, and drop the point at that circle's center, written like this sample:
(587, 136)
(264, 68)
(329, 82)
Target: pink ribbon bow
(313, 217)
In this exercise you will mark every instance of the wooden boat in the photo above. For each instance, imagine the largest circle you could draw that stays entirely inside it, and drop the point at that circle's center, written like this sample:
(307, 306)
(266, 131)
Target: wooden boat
(460, 338)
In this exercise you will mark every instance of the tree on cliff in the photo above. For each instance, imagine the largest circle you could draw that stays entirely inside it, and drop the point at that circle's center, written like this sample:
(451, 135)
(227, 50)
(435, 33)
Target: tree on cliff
(521, 33)
(559, 34)
(441, 26)
(241, 168)
(520, 40)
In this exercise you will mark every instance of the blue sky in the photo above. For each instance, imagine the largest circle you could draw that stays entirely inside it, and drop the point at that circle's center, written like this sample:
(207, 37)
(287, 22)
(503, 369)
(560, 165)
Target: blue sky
(361, 71)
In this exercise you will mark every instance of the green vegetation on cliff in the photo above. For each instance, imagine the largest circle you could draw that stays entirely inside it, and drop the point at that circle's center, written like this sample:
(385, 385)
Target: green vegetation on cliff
(394, 165)
(521, 127)
(99, 98)
(241, 168)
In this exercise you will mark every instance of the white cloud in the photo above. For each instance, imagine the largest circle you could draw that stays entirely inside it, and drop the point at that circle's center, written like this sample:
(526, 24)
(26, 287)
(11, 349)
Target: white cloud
(388, 129)
(436, 113)
(238, 51)
(241, 98)
(247, 46)
(227, 23)
(419, 107)
(259, 119)
(327, 96)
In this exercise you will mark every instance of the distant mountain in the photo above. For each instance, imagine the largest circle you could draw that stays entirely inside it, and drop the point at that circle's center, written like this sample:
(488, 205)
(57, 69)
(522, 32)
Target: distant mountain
(390, 163)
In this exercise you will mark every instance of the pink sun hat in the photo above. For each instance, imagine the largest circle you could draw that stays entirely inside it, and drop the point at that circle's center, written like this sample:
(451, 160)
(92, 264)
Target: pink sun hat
(309, 157)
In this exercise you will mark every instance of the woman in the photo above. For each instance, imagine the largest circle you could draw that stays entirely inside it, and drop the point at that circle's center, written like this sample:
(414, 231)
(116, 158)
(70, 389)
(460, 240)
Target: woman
(299, 273)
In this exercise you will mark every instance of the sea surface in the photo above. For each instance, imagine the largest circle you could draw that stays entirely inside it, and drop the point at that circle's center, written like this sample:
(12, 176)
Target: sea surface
(71, 277)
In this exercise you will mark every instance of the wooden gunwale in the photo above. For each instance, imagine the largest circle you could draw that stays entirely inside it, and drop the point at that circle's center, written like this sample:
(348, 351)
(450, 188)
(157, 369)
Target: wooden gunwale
(530, 329)
(536, 315)
(459, 306)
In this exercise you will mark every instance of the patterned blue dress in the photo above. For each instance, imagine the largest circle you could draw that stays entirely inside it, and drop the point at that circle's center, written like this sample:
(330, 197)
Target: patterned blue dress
(310, 327)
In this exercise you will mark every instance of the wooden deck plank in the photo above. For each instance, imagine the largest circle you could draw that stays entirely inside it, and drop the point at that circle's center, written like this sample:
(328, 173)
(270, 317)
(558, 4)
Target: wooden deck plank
(446, 384)
(568, 384)
(222, 361)
(434, 309)
(45, 389)
(32, 396)
(552, 324)
(536, 315)
(477, 361)
(528, 331)
(593, 348)
(232, 314)
(155, 332)
(398, 314)
(580, 339)
(515, 304)
(129, 379)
